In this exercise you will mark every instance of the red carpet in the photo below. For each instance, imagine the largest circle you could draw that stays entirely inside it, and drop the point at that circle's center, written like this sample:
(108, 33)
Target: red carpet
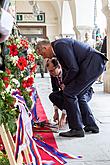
(47, 137)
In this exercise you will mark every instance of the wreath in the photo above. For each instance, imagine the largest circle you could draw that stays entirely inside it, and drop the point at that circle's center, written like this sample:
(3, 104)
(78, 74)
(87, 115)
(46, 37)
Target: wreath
(20, 70)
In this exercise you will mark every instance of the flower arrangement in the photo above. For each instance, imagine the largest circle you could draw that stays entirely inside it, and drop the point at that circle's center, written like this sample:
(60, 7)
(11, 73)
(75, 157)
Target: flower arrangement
(20, 63)
(7, 109)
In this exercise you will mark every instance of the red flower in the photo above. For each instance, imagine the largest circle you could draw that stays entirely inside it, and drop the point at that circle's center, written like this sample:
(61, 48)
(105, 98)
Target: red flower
(24, 84)
(31, 57)
(22, 63)
(6, 81)
(27, 83)
(33, 69)
(24, 43)
(13, 50)
(6, 85)
(30, 81)
(8, 71)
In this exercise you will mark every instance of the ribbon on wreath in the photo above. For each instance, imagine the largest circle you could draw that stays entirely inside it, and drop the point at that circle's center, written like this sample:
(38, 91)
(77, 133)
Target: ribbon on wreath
(37, 158)
(33, 108)
(19, 135)
(22, 142)
(54, 152)
(24, 138)
(24, 134)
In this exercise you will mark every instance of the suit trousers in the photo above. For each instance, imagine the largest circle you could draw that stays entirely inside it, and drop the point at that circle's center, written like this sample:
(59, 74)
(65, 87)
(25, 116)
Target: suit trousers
(86, 116)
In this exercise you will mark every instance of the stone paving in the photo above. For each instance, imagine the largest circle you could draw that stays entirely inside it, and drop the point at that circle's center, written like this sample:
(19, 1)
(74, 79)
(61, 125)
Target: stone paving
(95, 148)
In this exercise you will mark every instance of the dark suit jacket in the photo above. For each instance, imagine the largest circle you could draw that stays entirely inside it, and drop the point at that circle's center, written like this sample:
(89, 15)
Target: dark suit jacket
(79, 60)
(55, 84)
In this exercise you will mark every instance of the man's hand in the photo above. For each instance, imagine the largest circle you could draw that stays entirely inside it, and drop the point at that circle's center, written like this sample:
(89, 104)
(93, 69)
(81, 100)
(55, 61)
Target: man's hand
(56, 116)
(62, 86)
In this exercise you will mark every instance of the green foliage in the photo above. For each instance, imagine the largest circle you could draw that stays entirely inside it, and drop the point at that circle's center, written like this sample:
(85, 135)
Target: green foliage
(7, 109)
(4, 159)
(27, 98)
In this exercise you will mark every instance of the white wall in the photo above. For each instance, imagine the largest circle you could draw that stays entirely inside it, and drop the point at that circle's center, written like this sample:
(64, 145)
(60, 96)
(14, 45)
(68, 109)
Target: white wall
(51, 18)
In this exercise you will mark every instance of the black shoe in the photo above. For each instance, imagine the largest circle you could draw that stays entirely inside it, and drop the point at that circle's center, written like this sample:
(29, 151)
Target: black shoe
(93, 129)
(72, 133)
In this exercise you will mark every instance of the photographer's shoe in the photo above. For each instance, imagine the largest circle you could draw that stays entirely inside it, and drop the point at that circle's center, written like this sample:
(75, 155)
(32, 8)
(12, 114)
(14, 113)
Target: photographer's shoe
(73, 133)
(93, 129)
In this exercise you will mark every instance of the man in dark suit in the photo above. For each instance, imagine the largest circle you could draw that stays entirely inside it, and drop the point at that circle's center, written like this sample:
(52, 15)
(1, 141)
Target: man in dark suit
(55, 71)
(82, 65)
(57, 97)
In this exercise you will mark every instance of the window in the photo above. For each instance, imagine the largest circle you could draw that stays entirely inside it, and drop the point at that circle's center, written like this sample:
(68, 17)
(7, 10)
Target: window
(19, 17)
(30, 18)
(41, 17)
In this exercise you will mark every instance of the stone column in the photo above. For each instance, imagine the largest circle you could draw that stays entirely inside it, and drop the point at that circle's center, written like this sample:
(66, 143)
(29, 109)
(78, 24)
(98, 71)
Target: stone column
(72, 4)
(60, 6)
(106, 11)
(79, 17)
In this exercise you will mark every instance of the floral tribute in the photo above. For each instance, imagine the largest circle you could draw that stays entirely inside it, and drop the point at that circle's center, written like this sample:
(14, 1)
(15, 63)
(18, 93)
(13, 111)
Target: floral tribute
(20, 63)
(17, 80)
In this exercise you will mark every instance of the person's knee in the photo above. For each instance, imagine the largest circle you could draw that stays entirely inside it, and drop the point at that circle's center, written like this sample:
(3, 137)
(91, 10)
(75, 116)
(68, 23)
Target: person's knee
(70, 99)
(68, 95)
(51, 97)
